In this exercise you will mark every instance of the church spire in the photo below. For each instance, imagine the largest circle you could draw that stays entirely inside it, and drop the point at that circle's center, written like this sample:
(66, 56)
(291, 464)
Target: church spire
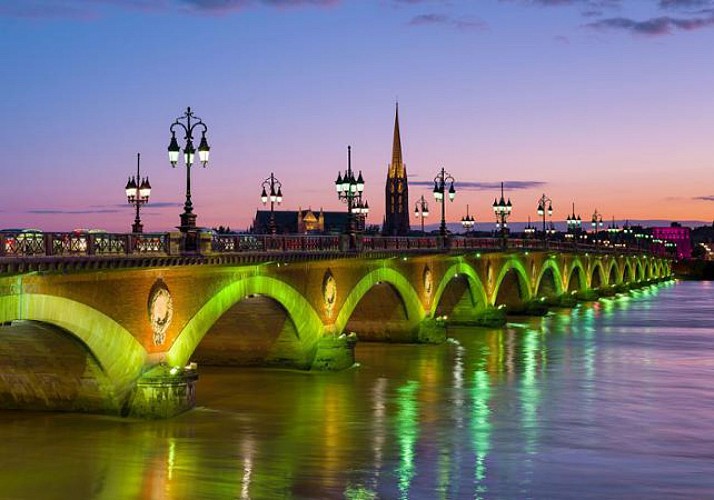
(396, 220)
(396, 168)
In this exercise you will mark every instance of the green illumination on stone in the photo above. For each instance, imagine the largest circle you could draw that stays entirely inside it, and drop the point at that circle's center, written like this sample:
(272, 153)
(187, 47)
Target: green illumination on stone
(558, 277)
(412, 304)
(307, 322)
(475, 284)
(407, 434)
(119, 354)
(515, 264)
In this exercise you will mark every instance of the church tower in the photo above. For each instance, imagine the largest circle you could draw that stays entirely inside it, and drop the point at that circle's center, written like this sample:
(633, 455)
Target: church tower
(396, 208)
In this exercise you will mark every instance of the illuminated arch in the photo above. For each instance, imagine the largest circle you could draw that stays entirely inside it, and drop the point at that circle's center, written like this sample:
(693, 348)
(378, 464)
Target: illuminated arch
(460, 269)
(405, 290)
(582, 275)
(307, 322)
(597, 268)
(639, 271)
(626, 276)
(120, 356)
(617, 273)
(557, 276)
(517, 267)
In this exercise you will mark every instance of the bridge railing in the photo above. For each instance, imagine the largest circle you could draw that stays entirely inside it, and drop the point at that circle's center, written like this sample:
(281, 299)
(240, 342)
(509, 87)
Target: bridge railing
(32, 243)
(236, 243)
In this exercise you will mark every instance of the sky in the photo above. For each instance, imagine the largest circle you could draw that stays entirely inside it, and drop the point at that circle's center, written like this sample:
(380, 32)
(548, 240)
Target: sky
(603, 103)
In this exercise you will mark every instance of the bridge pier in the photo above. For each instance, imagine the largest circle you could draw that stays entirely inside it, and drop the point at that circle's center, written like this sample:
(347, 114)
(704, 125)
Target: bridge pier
(162, 392)
(335, 353)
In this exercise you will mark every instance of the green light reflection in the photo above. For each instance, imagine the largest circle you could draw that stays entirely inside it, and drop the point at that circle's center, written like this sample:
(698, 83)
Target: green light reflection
(481, 429)
(407, 432)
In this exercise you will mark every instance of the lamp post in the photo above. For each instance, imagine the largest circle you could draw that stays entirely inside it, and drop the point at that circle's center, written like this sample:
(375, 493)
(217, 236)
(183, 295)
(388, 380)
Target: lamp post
(349, 190)
(574, 224)
(439, 190)
(361, 210)
(596, 223)
(612, 230)
(188, 122)
(502, 209)
(137, 193)
(421, 211)
(275, 187)
(529, 229)
(542, 210)
(468, 221)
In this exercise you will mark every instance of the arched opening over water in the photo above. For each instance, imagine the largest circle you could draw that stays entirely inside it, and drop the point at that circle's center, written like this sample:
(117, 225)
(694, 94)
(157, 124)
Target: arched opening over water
(596, 277)
(380, 315)
(575, 283)
(459, 301)
(256, 331)
(612, 278)
(639, 272)
(512, 290)
(547, 286)
(627, 273)
(45, 367)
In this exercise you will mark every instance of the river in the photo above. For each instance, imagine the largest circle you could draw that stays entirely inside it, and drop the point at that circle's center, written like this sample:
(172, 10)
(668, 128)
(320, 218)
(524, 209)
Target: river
(612, 399)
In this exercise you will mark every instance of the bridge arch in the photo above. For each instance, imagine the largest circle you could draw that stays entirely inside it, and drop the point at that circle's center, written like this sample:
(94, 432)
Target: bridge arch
(627, 273)
(308, 326)
(614, 274)
(639, 271)
(597, 276)
(119, 355)
(413, 309)
(514, 274)
(475, 288)
(550, 280)
(577, 277)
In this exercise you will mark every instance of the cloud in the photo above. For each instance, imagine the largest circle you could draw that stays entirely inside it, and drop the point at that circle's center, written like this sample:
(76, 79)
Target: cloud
(704, 198)
(684, 4)
(84, 9)
(664, 25)
(59, 211)
(486, 186)
(463, 23)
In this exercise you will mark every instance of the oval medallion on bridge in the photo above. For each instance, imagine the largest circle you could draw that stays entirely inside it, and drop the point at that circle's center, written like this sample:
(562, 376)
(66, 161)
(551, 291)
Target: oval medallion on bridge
(161, 310)
(329, 292)
(428, 281)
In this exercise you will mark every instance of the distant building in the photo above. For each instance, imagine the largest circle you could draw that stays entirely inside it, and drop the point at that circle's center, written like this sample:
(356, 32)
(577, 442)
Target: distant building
(300, 222)
(680, 236)
(396, 216)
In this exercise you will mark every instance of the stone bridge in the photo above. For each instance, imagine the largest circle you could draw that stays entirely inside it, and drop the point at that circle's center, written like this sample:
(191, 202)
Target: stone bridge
(113, 336)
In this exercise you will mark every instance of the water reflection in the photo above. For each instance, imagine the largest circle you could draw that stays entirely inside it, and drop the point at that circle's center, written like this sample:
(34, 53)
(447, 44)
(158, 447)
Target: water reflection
(612, 399)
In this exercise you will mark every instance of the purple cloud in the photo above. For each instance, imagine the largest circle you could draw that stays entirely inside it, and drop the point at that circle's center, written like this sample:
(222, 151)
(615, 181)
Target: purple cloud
(83, 9)
(444, 20)
(486, 186)
(664, 25)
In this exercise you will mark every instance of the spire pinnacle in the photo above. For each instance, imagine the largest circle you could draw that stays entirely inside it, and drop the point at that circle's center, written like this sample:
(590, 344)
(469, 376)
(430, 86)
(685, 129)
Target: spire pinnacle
(396, 168)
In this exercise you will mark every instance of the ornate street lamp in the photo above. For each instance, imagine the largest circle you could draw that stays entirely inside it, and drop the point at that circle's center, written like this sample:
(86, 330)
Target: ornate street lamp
(188, 218)
(612, 229)
(596, 223)
(574, 225)
(440, 181)
(349, 190)
(273, 186)
(502, 209)
(421, 211)
(361, 210)
(529, 229)
(137, 191)
(468, 221)
(542, 210)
